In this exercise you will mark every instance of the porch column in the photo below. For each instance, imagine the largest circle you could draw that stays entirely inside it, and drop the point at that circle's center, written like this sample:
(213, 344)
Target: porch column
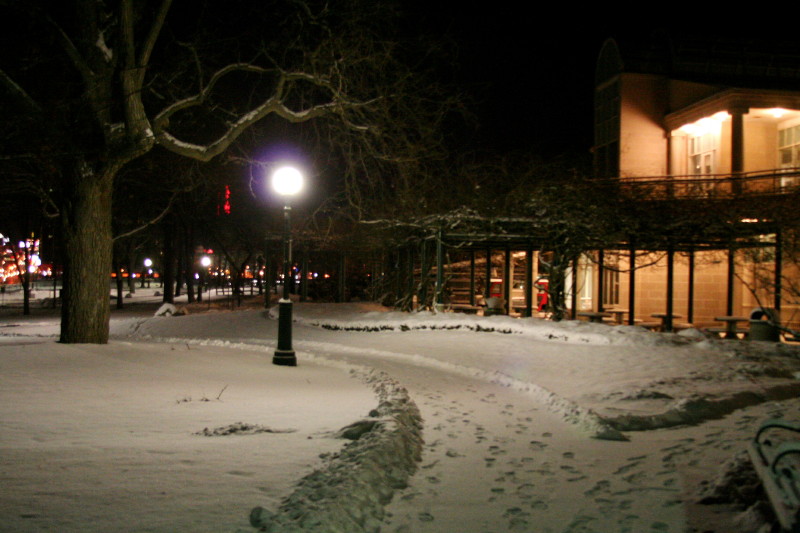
(632, 284)
(690, 310)
(737, 146)
(488, 286)
(737, 139)
(670, 287)
(778, 269)
(424, 276)
(601, 257)
(731, 274)
(472, 277)
(439, 297)
(529, 282)
(410, 273)
(508, 280)
(575, 264)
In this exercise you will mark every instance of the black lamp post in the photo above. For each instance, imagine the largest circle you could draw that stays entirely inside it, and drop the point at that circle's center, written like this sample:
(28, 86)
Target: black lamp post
(286, 181)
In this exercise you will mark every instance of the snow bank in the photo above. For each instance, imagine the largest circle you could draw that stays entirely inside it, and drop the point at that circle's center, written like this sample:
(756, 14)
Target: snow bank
(567, 331)
(349, 493)
(697, 410)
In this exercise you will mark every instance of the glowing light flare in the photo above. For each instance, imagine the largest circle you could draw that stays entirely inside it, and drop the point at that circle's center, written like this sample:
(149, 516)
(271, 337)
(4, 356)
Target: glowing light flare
(705, 125)
(287, 181)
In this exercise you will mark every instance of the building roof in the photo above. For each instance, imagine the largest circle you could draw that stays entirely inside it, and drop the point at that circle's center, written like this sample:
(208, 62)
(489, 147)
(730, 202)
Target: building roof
(746, 62)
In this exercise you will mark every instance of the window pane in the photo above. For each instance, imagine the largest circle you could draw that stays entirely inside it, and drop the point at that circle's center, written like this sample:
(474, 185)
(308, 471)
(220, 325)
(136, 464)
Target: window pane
(786, 157)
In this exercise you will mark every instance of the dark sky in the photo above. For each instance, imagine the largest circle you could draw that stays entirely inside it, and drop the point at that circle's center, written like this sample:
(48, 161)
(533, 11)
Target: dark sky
(532, 72)
(532, 64)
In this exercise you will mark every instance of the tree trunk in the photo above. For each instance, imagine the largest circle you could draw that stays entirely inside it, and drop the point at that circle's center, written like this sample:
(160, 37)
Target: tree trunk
(557, 287)
(168, 268)
(118, 279)
(131, 265)
(26, 279)
(86, 233)
(189, 262)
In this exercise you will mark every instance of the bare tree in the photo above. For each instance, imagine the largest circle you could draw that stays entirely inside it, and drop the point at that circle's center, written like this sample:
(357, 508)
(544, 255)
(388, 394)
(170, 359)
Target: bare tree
(92, 85)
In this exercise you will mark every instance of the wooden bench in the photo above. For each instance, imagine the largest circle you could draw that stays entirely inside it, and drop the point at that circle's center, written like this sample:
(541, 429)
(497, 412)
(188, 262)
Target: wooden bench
(775, 454)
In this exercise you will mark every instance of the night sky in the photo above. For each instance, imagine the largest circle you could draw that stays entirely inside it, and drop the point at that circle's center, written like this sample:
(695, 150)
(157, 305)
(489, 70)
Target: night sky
(531, 72)
(531, 65)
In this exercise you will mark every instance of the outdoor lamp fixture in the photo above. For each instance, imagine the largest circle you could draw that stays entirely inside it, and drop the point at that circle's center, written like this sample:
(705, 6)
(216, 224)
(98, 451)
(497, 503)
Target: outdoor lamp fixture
(205, 262)
(286, 181)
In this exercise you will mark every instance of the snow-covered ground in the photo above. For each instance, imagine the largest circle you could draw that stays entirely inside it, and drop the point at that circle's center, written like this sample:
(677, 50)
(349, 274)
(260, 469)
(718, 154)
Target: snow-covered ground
(182, 423)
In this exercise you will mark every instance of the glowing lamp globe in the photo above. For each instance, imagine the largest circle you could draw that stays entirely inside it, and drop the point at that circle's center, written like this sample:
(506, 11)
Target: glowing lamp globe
(287, 181)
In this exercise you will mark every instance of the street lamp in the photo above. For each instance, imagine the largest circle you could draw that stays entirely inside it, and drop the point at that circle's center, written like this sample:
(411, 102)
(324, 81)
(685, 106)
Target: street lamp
(205, 262)
(286, 181)
(146, 274)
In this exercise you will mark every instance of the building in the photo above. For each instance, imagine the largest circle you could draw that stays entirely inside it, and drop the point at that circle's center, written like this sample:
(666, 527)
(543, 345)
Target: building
(701, 119)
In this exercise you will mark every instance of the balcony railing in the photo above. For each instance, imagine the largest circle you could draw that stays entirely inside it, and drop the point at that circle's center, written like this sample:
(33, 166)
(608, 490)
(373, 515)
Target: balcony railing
(713, 186)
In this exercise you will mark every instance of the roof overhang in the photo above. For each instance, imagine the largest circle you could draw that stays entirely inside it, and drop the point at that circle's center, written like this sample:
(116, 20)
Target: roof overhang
(732, 101)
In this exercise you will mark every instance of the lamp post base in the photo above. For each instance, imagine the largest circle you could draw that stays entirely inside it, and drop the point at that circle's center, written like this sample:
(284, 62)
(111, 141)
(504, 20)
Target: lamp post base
(284, 358)
(284, 354)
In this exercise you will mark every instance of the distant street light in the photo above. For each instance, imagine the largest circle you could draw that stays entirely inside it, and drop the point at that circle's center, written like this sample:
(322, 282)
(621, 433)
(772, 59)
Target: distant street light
(205, 262)
(287, 182)
(145, 275)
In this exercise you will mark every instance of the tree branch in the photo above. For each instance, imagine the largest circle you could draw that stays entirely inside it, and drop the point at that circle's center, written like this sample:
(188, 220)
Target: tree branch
(152, 37)
(15, 88)
(149, 223)
(275, 104)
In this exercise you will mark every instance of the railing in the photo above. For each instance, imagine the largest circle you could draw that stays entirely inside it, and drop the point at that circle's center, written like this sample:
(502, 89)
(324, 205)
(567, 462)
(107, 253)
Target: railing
(713, 186)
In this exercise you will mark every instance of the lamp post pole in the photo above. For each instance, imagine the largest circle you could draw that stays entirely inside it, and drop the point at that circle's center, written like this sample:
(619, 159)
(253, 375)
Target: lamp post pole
(287, 181)
(284, 354)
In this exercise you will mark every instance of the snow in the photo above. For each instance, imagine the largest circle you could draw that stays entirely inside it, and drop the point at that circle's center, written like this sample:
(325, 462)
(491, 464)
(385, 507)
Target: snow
(108, 54)
(464, 423)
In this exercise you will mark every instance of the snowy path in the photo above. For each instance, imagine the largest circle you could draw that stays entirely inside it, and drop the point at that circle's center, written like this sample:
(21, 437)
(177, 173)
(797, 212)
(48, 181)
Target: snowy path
(498, 459)
(502, 455)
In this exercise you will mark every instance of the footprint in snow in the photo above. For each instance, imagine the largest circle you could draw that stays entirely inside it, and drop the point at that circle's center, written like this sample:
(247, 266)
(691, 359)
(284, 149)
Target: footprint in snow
(240, 473)
(539, 505)
(626, 468)
(496, 450)
(600, 486)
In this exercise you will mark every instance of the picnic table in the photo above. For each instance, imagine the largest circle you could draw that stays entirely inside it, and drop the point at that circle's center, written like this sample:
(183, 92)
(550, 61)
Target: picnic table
(595, 316)
(731, 330)
(619, 315)
(663, 317)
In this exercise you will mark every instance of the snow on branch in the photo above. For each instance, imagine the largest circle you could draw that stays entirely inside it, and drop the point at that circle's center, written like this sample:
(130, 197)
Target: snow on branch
(274, 104)
(15, 88)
